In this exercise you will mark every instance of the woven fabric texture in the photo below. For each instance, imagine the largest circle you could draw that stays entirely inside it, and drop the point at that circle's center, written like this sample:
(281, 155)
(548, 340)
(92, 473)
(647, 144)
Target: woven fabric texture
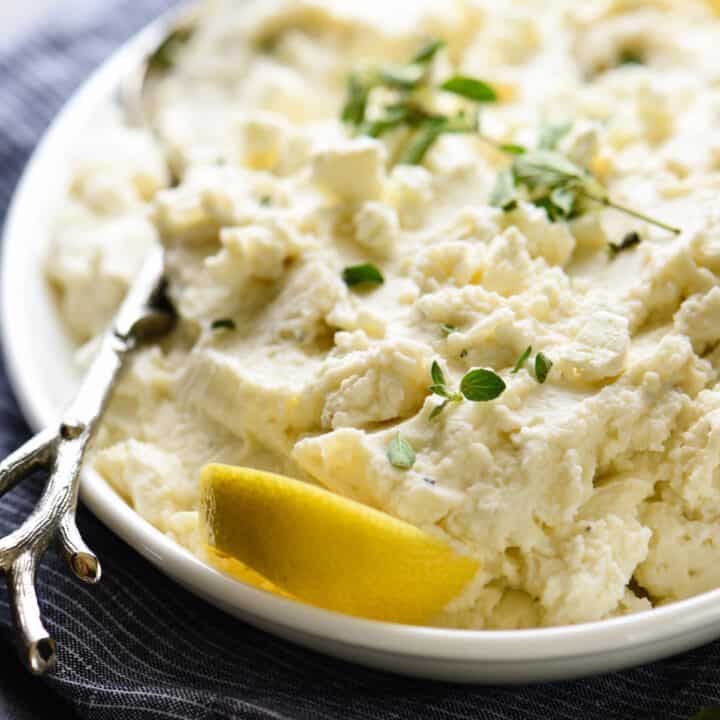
(139, 647)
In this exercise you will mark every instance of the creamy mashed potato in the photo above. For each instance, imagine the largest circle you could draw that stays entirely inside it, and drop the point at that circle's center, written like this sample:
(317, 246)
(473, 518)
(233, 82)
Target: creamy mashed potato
(593, 494)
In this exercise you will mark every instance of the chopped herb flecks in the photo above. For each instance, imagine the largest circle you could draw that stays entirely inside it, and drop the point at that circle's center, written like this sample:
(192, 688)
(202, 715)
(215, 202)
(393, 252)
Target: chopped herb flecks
(631, 240)
(543, 365)
(428, 53)
(470, 88)
(404, 109)
(522, 361)
(512, 149)
(366, 274)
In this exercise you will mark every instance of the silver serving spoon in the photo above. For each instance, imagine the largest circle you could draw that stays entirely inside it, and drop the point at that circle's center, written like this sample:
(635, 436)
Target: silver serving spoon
(60, 449)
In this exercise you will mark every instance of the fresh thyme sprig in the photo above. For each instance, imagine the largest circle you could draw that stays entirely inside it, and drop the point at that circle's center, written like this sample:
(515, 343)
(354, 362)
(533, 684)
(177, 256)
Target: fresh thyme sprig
(565, 190)
(478, 385)
(441, 388)
(405, 110)
(543, 176)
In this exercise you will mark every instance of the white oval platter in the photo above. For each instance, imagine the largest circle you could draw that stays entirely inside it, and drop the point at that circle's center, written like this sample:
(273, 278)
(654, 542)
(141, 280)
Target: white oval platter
(39, 359)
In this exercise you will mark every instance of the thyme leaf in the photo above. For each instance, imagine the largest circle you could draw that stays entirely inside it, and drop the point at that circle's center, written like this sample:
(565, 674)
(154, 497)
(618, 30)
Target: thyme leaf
(543, 365)
(551, 135)
(401, 453)
(427, 54)
(631, 240)
(405, 84)
(522, 361)
(366, 274)
(481, 385)
(470, 88)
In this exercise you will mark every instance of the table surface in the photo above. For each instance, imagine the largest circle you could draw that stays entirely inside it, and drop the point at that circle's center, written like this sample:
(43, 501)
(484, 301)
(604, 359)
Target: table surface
(23, 697)
(17, 16)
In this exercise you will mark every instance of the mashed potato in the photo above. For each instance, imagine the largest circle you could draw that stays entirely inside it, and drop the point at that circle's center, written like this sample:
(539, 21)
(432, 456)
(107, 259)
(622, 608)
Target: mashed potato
(591, 494)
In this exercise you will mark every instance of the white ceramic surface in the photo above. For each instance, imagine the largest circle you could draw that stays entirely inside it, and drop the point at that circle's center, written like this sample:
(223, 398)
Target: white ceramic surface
(39, 360)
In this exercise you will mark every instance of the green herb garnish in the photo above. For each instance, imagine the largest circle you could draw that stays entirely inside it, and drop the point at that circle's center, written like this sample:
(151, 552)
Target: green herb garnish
(428, 133)
(478, 385)
(406, 83)
(358, 94)
(402, 77)
(482, 385)
(543, 365)
(438, 409)
(166, 54)
(512, 149)
(401, 453)
(266, 201)
(224, 324)
(470, 88)
(504, 196)
(397, 116)
(428, 53)
(550, 180)
(522, 361)
(440, 388)
(366, 274)
(551, 135)
(629, 241)
(448, 329)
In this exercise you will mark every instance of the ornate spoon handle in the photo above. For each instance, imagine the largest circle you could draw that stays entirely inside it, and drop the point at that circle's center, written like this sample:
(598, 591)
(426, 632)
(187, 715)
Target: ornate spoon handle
(60, 451)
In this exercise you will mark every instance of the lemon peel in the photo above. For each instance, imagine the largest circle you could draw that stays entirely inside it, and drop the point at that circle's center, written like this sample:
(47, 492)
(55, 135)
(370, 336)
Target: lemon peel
(301, 541)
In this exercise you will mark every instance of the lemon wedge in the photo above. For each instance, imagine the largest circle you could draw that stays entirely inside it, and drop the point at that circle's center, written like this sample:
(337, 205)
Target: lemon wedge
(301, 541)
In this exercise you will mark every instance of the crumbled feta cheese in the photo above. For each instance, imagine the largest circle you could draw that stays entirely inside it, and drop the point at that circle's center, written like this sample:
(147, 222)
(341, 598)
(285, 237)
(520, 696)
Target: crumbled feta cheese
(353, 170)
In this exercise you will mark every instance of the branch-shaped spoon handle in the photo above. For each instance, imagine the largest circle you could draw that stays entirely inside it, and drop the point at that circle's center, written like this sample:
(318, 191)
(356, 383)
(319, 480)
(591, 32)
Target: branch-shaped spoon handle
(60, 451)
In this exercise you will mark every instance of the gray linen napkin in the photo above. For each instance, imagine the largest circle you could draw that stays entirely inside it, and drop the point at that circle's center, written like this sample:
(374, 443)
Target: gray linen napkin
(137, 646)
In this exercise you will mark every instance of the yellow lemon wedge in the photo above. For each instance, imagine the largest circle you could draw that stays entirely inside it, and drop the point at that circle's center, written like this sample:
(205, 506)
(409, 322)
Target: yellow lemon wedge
(301, 541)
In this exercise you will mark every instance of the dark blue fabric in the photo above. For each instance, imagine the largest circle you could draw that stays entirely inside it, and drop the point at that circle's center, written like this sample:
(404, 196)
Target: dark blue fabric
(137, 646)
